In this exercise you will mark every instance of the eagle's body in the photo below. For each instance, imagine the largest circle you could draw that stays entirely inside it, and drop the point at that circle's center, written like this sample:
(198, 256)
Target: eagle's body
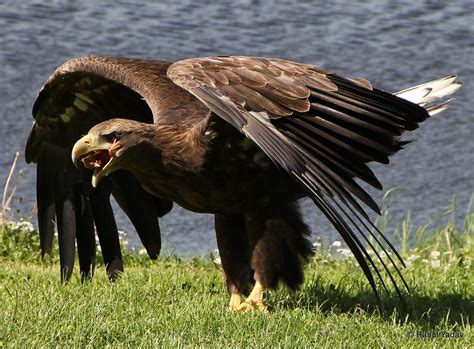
(239, 137)
(226, 176)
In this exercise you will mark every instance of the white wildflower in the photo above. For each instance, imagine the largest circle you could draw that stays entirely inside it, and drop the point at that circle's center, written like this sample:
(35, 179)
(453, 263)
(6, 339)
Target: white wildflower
(412, 257)
(23, 225)
(345, 252)
(436, 263)
(142, 251)
(435, 254)
(336, 243)
(316, 244)
(216, 257)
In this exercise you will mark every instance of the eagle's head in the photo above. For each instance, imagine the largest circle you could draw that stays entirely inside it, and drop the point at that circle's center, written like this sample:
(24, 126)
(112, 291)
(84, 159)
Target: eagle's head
(110, 146)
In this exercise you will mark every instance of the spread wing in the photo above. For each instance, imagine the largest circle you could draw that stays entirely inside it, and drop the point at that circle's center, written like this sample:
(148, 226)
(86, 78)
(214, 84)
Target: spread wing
(319, 127)
(79, 94)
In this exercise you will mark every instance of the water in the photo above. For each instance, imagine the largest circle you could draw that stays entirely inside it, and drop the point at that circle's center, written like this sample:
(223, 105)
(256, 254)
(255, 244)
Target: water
(393, 44)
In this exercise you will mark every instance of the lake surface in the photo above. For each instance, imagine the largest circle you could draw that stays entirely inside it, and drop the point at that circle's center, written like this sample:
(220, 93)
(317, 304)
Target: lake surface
(393, 44)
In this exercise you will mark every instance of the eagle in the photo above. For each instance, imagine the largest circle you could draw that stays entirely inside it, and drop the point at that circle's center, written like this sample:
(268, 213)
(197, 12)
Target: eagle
(242, 138)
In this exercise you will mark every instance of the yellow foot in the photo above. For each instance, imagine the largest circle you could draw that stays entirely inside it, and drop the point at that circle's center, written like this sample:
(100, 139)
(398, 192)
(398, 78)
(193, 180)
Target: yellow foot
(235, 301)
(247, 306)
(254, 301)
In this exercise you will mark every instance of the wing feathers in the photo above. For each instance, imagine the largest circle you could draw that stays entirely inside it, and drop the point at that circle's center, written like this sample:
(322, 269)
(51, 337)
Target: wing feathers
(45, 179)
(292, 103)
(85, 234)
(321, 128)
(359, 253)
(359, 109)
(66, 220)
(107, 231)
(142, 208)
(251, 78)
(288, 86)
(254, 100)
(79, 94)
(330, 156)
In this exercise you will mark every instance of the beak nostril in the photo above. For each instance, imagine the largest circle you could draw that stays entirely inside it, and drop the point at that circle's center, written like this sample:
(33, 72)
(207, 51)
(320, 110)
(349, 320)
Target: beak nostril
(87, 142)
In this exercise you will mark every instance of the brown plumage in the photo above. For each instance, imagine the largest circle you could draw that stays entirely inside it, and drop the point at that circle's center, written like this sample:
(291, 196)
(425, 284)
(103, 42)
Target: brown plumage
(242, 138)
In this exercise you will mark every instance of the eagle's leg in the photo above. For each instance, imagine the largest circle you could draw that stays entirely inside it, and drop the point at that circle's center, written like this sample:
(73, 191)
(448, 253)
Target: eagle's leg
(254, 300)
(234, 251)
(280, 248)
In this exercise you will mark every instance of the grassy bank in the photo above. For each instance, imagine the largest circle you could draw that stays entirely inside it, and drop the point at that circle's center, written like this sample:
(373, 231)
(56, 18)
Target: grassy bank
(171, 302)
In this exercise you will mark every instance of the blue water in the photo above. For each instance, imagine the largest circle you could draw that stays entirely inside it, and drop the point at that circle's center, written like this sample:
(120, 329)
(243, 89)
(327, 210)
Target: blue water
(393, 44)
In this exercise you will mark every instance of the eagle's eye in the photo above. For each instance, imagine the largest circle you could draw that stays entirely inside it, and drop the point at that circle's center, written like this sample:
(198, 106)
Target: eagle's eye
(111, 137)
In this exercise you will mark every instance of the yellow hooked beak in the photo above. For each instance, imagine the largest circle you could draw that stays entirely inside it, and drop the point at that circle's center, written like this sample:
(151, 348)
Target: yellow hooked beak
(96, 153)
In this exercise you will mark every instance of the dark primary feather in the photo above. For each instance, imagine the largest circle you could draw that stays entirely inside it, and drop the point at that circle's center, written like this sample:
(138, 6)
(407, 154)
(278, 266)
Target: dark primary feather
(107, 229)
(45, 178)
(142, 210)
(85, 233)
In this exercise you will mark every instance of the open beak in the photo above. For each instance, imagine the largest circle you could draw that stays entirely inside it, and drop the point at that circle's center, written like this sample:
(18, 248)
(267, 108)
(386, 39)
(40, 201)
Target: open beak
(95, 153)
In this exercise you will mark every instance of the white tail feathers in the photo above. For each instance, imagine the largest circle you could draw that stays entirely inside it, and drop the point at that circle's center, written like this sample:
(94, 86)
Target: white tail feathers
(430, 94)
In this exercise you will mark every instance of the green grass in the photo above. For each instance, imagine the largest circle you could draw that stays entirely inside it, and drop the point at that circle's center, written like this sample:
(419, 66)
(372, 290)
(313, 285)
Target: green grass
(174, 302)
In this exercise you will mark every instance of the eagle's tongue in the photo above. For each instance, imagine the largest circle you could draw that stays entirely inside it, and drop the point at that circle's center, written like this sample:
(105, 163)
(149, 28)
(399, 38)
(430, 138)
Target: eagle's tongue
(99, 162)
(97, 159)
